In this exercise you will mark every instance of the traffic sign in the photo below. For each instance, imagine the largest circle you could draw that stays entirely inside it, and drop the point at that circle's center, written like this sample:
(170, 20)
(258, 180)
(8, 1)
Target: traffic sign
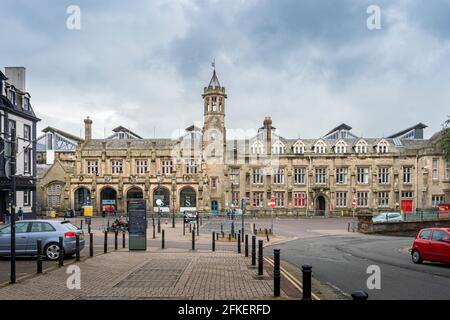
(354, 203)
(272, 203)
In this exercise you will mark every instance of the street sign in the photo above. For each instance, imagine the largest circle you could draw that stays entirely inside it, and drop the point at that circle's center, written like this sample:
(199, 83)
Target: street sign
(88, 220)
(272, 203)
(88, 211)
(137, 224)
(354, 203)
(159, 202)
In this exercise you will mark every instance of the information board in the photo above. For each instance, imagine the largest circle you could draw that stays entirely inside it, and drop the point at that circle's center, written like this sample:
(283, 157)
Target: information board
(137, 224)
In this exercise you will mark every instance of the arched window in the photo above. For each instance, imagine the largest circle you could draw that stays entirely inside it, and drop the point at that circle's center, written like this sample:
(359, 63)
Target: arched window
(278, 148)
(320, 147)
(188, 198)
(340, 147)
(298, 147)
(382, 146)
(361, 146)
(257, 147)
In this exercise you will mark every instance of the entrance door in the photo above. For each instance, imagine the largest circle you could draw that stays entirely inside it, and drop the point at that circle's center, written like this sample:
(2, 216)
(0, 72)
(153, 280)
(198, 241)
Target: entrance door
(320, 204)
(214, 207)
(407, 206)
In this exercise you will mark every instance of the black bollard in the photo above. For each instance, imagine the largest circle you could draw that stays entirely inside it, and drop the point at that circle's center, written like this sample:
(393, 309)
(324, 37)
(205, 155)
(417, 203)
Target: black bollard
(154, 236)
(246, 245)
(61, 251)
(116, 236)
(239, 243)
(123, 239)
(81, 225)
(253, 250)
(213, 241)
(159, 224)
(229, 237)
(232, 228)
(39, 256)
(260, 258)
(221, 227)
(77, 248)
(360, 295)
(276, 272)
(267, 235)
(307, 271)
(217, 236)
(190, 228)
(184, 228)
(105, 243)
(198, 229)
(193, 240)
(162, 239)
(91, 244)
(89, 228)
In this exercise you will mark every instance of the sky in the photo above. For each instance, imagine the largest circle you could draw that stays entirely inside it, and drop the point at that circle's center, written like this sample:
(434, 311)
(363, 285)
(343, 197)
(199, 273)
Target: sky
(310, 65)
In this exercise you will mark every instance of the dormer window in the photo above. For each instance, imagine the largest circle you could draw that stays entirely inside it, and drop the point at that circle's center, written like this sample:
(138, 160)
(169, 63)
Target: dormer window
(257, 148)
(340, 147)
(320, 147)
(382, 146)
(278, 148)
(26, 104)
(12, 96)
(361, 147)
(298, 147)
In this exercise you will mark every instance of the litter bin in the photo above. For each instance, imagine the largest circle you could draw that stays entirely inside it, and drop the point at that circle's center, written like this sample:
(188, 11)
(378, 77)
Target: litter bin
(53, 214)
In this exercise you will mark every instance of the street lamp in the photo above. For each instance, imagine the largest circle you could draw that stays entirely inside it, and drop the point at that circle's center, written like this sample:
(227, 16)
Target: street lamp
(159, 201)
(174, 181)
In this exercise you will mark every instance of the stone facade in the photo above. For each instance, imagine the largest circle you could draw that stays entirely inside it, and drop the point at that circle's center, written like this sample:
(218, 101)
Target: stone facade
(202, 170)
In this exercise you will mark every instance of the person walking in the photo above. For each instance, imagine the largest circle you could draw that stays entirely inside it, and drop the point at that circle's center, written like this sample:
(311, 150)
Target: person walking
(7, 217)
(20, 213)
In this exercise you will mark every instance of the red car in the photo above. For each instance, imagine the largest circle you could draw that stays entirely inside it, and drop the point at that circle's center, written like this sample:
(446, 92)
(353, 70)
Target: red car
(432, 244)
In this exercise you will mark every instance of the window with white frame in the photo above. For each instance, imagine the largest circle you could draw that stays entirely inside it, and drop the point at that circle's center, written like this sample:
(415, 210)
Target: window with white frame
(26, 132)
(299, 175)
(116, 166)
(258, 199)
(361, 147)
(341, 199)
(141, 166)
(298, 147)
(362, 175)
(278, 148)
(321, 175)
(26, 160)
(278, 176)
(341, 175)
(279, 198)
(258, 176)
(167, 166)
(435, 169)
(437, 199)
(407, 175)
(92, 167)
(26, 198)
(340, 147)
(383, 175)
(191, 166)
(299, 199)
(383, 199)
(362, 198)
(382, 147)
(320, 147)
(257, 147)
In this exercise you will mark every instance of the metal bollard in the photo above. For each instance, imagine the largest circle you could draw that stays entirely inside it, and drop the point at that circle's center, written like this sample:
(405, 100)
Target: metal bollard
(360, 295)
(276, 272)
(91, 244)
(190, 227)
(39, 256)
(307, 271)
(154, 236)
(159, 224)
(348, 227)
(89, 228)
(229, 237)
(193, 240)
(213, 241)
(198, 229)
(184, 228)
(77, 248)
(81, 225)
(260, 258)
(253, 250)
(116, 235)
(105, 243)
(221, 228)
(232, 228)
(246, 245)
(162, 239)
(239, 243)
(267, 235)
(123, 239)
(61, 251)
(217, 236)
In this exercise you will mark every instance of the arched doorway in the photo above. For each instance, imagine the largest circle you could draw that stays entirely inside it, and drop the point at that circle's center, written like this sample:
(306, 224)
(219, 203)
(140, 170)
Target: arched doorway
(108, 198)
(163, 194)
(82, 197)
(188, 199)
(135, 193)
(214, 207)
(321, 205)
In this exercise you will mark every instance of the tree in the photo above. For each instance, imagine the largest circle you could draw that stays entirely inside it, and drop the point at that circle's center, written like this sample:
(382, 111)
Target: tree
(445, 140)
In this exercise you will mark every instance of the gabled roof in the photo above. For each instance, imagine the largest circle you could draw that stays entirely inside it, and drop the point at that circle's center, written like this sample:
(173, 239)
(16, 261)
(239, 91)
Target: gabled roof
(62, 133)
(123, 129)
(419, 126)
(2, 76)
(340, 127)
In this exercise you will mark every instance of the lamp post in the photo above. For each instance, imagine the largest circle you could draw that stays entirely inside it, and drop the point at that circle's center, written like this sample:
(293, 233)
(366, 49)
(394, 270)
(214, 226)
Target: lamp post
(159, 177)
(174, 181)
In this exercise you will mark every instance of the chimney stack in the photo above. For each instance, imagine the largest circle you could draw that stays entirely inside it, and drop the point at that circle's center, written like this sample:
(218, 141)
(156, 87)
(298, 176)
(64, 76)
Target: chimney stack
(17, 77)
(268, 132)
(87, 129)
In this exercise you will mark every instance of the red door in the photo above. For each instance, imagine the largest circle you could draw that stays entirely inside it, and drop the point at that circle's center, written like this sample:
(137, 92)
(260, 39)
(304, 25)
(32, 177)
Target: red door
(407, 206)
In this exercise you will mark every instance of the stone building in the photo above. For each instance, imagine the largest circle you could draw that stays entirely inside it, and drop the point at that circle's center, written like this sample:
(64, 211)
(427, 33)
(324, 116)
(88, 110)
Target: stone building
(203, 170)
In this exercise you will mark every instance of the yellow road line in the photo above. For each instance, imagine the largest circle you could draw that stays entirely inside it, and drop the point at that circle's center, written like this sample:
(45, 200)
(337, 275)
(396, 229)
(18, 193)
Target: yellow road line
(297, 284)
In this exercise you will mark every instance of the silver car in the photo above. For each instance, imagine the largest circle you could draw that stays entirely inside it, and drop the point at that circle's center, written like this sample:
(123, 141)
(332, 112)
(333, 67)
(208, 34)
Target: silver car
(388, 217)
(29, 231)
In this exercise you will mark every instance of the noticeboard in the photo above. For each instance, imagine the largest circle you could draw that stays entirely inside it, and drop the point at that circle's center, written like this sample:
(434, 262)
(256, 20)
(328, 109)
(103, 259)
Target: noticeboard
(137, 224)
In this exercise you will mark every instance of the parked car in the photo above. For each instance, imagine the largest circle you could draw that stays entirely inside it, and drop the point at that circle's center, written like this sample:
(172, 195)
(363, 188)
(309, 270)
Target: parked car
(49, 231)
(388, 217)
(431, 244)
(190, 216)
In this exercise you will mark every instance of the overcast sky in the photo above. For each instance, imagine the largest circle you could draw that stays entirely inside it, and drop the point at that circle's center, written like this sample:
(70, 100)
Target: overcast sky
(311, 65)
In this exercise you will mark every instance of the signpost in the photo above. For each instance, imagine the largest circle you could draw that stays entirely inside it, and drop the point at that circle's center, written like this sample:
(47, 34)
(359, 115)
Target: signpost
(137, 224)
(354, 203)
(272, 204)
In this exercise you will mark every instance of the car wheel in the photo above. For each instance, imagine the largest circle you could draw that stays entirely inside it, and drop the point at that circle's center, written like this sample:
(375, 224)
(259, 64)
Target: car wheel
(416, 258)
(52, 251)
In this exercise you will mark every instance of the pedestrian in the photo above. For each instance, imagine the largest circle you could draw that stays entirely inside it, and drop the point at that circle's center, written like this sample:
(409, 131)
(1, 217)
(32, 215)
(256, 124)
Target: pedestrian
(20, 213)
(7, 217)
